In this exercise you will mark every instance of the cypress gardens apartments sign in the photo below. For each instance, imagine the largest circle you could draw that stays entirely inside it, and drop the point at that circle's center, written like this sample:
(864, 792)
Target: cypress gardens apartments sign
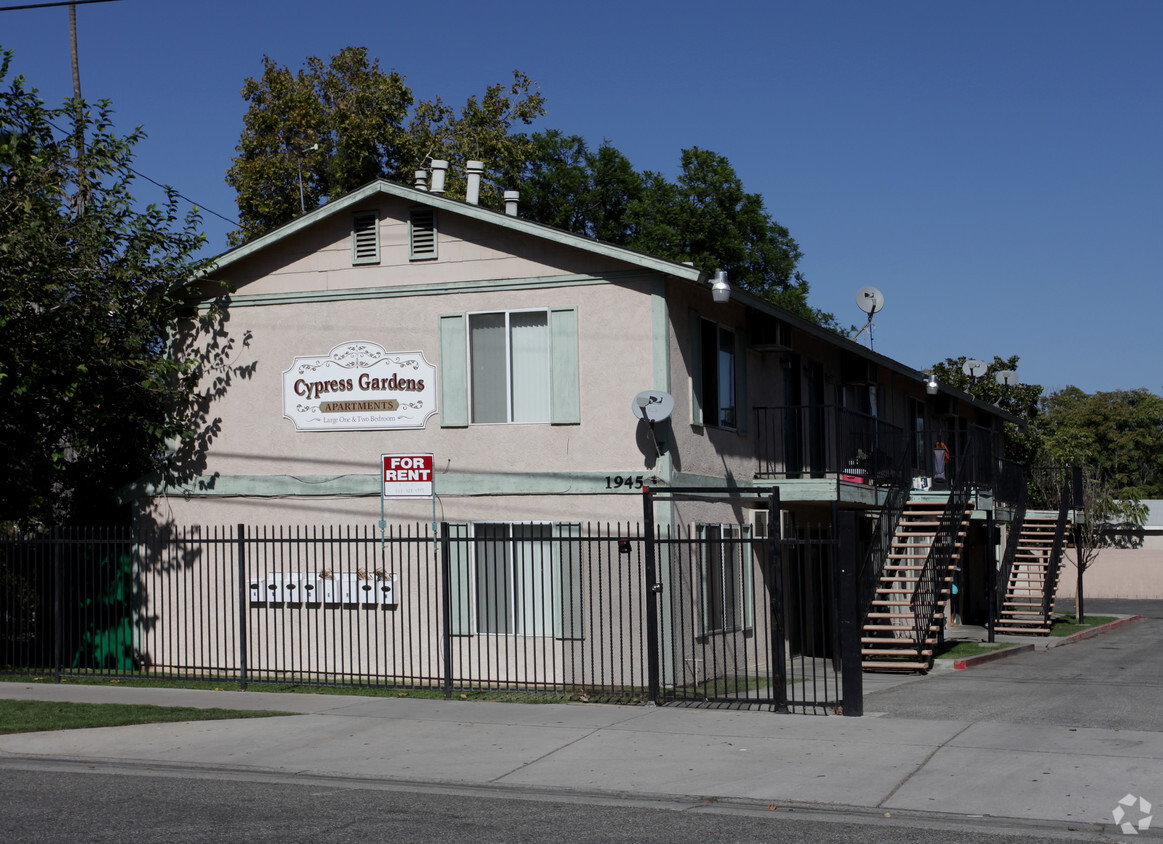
(359, 386)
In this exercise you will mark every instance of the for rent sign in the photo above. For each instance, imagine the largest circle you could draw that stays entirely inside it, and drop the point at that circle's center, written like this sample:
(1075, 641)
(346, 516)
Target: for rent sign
(407, 475)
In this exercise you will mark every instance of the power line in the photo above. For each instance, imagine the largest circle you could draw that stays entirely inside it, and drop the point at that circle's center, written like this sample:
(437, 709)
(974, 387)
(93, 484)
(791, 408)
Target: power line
(49, 5)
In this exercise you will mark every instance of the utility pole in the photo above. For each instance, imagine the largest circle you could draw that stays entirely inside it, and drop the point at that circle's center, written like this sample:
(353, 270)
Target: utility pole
(82, 185)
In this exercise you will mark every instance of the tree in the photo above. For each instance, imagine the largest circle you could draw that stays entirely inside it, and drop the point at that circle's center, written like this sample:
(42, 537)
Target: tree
(704, 217)
(334, 126)
(88, 394)
(1022, 441)
(1115, 439)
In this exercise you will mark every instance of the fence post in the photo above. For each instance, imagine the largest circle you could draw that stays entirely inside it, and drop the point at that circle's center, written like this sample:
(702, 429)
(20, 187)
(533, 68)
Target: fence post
(446, 605)
(847, 569)
(775, 596)
(653, 587)
(243, 593)
(58, 622)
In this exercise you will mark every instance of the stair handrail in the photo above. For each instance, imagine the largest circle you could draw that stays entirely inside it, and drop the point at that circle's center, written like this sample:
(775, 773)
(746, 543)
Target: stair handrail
(939, 561)
(1009, 555)
(896, 496)
(1050, 586)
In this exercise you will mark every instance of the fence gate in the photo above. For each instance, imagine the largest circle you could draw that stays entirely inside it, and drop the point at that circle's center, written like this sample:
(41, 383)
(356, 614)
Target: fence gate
(742, 615)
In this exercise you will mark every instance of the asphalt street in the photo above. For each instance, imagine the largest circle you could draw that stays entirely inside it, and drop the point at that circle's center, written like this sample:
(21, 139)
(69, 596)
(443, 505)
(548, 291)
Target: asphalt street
(1037, 747)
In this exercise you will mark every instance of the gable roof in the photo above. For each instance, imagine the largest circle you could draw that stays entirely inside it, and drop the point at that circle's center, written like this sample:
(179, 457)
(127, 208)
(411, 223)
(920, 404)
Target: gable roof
(675, 269)
(381, 187)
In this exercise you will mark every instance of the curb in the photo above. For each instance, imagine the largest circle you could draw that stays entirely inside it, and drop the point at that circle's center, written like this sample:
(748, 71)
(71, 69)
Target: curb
(1093, 631)
(970, 661)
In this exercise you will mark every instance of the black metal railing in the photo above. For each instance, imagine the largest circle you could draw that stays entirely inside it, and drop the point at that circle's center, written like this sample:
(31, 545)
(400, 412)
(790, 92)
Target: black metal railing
(944, 550)
(1009, 556)
(1050, 586)
(881, 546)
(820, 441)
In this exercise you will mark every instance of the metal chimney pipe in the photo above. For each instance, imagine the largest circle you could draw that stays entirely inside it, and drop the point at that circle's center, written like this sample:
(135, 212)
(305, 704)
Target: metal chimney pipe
(512, 198)
(439, 169)
(420, 180)
(473, 170)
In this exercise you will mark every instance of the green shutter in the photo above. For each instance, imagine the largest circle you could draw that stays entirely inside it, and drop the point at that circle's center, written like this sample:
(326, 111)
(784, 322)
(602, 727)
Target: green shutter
(567, 581)
(460, 578)
(453, 371)
(696, 368)
(565, 400)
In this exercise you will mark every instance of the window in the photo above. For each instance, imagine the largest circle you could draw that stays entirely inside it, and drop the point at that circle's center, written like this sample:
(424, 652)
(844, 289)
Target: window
(728, 580)
(365, 237)
(717, 375)
(519, 579)
(509, 366)
(422, 234)
(513, 580)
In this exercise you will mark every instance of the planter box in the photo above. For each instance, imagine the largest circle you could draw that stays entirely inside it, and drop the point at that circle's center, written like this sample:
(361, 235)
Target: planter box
(365, 592)
(332, 589)
(288, 591)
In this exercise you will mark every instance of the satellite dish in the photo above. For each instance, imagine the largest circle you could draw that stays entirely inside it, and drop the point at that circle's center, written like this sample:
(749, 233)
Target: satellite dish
(652, 406)
(974, 368)
(870, 300)
(1006, 377)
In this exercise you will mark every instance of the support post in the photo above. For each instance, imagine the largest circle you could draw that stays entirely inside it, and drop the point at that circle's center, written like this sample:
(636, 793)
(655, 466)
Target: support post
(775, 597)
(848, 571)
(991, 572)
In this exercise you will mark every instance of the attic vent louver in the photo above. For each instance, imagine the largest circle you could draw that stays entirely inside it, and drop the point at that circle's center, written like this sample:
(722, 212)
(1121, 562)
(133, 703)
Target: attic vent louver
(365, 237)
(422, 234)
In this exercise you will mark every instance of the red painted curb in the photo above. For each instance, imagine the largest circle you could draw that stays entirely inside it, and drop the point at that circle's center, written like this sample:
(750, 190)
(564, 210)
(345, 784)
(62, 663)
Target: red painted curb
(970, 661)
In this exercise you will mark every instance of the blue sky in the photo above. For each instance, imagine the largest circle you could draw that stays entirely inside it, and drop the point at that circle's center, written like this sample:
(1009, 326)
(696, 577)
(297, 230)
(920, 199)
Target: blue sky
(994, 168)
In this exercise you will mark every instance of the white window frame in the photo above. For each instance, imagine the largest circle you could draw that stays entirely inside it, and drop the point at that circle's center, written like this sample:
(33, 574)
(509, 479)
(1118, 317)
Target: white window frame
(547, 386)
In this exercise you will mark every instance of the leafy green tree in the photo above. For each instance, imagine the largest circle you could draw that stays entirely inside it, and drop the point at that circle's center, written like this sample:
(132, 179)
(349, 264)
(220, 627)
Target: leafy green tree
(334, 126)
(1116, 441)
(1120, 432)
(88, 394)
(1022, 442)
(704, 217)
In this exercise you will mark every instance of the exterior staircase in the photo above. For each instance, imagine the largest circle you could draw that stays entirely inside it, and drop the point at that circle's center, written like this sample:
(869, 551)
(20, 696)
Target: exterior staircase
(907, 610)
(1024, 609)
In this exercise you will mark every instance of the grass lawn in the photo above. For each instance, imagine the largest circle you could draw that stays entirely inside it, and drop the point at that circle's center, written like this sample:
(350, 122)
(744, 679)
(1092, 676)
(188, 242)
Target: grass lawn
(499, 695)
(961, 650)
(1066, 624)
(32, 716)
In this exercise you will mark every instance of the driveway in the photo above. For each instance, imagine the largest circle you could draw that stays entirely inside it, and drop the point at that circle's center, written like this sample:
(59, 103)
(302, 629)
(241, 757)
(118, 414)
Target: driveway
(1112, 681)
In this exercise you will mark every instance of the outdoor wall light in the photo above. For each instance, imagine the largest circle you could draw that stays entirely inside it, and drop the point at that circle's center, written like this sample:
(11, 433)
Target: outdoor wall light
(720, 289)
(931, 384)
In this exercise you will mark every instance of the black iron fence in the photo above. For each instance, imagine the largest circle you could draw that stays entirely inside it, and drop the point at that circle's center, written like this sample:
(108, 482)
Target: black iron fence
(726, 616)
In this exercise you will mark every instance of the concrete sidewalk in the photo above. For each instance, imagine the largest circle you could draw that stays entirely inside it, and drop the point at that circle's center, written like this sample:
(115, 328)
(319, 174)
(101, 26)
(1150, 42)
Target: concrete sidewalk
(1072, 777)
